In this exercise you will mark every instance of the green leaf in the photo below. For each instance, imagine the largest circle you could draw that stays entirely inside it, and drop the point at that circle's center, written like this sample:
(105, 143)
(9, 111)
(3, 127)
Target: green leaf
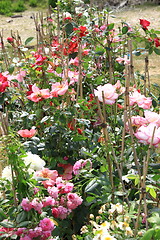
(45, 119)
(28, 40)
(88, 238)
(59, 70)
(153, 192)
(103, 169)
(11, 69)
(148, 235)
(4, 236)
(110, 26)
(157, 51)
(91, 186)
(24, 224)
(155, 218)
(21, 217)
(68, 28)
(14, 236)
(2, 214)
(150, 50)
(41, 179)
(119, 193)
(124, 29)
(90, 199)
(7, 224)
(137, 53)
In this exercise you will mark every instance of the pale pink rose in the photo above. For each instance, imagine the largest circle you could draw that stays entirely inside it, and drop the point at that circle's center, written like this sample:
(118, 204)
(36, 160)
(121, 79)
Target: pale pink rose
(38, 94)
(137, 121)
(120, 89)
(53, 192)
(144, 134)
(124, 60)
(37, 205)
(48, 183)
(47, 173)
(80, 164)
(73, 77)
(141, 100)
(20, 76)
(59, 89)
(109, 91)
(152, 117)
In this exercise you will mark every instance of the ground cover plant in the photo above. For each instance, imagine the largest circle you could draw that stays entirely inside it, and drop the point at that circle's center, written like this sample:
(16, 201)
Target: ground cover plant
(80, 130)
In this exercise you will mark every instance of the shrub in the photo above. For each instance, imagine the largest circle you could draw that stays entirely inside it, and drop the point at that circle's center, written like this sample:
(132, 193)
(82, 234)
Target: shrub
(18, 6)
(33, 3)
(5, 7)
(52, 3)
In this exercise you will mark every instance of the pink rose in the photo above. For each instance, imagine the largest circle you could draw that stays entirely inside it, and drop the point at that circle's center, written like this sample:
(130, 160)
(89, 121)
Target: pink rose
(81, 164)
(37, 205)
(137, 121)
(46, 224)
(26, 204)
(59, 89)
(144, 134)
(109, 91)
(25, 133)
(141, 100)
(152, 117)
(38, 94)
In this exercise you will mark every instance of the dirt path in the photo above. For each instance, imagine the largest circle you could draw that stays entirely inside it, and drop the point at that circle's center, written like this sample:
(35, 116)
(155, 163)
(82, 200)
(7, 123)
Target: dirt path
(26, 28)
(24, 25)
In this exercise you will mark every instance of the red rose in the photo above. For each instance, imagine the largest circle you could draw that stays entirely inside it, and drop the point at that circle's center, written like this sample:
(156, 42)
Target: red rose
(10, 39)
(144, 23)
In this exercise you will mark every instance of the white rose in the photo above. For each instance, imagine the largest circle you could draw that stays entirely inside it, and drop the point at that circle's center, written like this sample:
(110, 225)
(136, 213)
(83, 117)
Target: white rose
(34, 161)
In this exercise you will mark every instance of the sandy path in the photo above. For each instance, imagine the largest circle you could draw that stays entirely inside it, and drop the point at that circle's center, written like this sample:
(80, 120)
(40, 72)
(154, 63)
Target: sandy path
(24, 25)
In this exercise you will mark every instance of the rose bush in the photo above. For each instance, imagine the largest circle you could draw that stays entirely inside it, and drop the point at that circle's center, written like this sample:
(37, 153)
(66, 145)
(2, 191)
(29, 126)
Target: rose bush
(83, 130)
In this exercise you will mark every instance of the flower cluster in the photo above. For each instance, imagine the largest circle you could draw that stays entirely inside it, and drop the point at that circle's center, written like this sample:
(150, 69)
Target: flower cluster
(60, 197)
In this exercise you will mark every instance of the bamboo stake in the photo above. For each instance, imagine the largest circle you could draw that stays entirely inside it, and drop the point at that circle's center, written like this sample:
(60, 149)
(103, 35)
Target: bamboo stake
(143, 187)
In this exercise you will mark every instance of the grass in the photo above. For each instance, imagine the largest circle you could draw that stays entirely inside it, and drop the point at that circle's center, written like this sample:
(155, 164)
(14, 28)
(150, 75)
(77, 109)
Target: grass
(8, 7)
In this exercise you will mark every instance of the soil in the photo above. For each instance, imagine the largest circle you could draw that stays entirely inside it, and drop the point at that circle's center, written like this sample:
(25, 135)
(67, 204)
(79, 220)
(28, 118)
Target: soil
(26, 28)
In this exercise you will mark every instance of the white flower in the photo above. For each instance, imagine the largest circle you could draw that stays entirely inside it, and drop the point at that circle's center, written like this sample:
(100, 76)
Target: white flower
(7, 174)
(34, 161)
(123, 225)
(116, 207)
(128, 231)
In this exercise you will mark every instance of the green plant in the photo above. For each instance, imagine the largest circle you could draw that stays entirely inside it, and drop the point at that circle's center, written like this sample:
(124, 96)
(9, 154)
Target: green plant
(33, 3)
(52, 3)
(18, 6)
(5, 7)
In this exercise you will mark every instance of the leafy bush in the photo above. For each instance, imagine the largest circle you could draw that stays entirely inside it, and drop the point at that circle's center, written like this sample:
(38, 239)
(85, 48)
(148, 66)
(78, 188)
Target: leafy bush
(5, 7)
(18, 6)
(52, 3)
(33, 3)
